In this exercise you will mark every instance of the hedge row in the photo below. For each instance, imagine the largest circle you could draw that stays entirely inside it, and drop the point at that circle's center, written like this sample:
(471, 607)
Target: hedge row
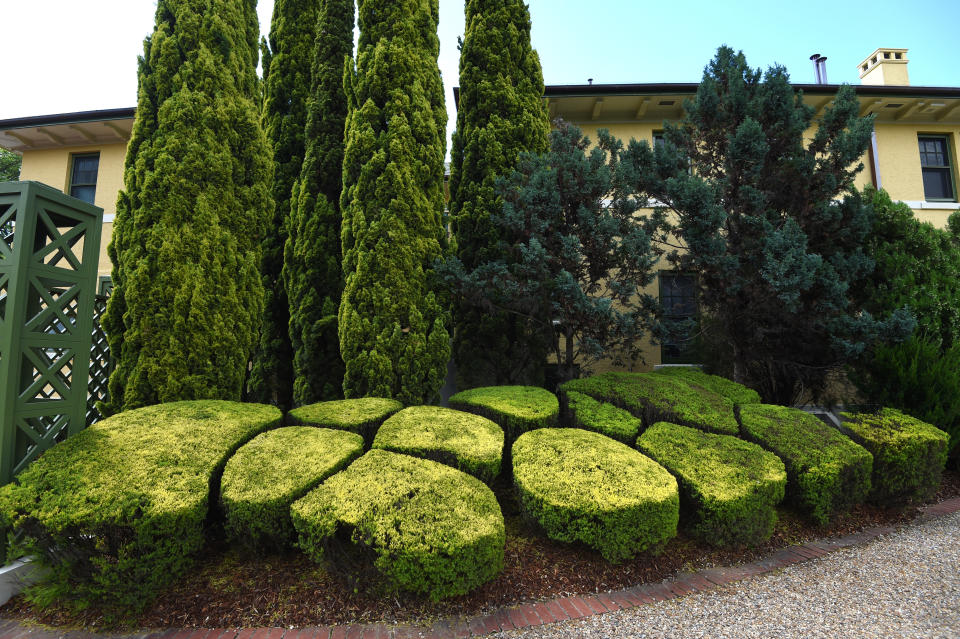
(591, 414)
(433, 529)
(582, 486)
(362, 416)
(516, 409)
(737, 393)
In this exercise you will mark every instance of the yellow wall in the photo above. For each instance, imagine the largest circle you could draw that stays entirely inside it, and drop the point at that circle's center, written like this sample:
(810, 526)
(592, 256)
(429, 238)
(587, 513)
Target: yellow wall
(52, 167)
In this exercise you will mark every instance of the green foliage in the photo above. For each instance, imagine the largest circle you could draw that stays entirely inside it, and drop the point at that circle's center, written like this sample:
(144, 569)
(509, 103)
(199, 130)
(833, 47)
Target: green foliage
(826, 471)
(500, 114)
(908, 455)
(601, 417)
(272, 471)
(516, 409)
(118, 511)
(768, 222)
(362, 416)
(467, 442)
(433, 529)
(729, 488)
(187, 300)
(312, 271)
(393, 337)
(9, 166)
(582, 486)
(655, 397)
(574, 256)
(286, 84)
(736, 393)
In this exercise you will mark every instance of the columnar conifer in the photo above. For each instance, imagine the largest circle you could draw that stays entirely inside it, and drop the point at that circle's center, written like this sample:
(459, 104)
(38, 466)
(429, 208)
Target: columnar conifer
(287, 87)
(187, 296)
(311, 271)
(500, 114)
(392, 335)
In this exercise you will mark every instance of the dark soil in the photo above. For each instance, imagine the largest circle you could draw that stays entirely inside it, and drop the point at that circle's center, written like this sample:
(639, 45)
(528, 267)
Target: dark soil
(230, 588)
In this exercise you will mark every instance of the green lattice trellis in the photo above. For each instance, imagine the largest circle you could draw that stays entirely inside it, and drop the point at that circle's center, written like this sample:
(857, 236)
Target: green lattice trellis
(49, 248)
(100, 362)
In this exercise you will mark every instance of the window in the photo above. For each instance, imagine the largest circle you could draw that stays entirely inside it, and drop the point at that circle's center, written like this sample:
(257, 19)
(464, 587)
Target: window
(658, 139)
(935, 165)
(83, 176)
(678, 295)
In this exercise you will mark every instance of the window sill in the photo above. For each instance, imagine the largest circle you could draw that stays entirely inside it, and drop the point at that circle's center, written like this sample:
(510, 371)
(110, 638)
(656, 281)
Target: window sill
(924, 204)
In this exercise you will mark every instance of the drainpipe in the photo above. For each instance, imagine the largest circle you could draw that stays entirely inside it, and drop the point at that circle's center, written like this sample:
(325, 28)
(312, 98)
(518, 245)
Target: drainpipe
(875, 161)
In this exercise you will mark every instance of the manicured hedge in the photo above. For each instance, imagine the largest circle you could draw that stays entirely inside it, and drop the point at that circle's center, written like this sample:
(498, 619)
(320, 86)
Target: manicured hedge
(272, 471)
(433, 529)
(362, 416)
(655, 397)
(583, 486)
(602, 417)
(826, 471)
(516, 409)
(468, 442)
(908, 455)
(118, 511)
(729, 488)
(736, 393)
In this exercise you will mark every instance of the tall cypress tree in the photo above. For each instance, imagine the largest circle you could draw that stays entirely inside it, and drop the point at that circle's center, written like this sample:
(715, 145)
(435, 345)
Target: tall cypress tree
(500, 114)
(392, 335)
(187, 299)
(311, 269)
(287, 87)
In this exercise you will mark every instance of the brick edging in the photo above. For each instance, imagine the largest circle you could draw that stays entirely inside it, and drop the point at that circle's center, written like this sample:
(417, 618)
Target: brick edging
(525, 615)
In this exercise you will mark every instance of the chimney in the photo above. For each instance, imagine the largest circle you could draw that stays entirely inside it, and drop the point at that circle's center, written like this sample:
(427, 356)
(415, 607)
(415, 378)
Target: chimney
(885, 67)
(819, 68)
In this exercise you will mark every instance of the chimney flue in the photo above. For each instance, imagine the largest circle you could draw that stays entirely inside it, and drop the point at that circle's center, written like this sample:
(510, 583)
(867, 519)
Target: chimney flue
(819, 68)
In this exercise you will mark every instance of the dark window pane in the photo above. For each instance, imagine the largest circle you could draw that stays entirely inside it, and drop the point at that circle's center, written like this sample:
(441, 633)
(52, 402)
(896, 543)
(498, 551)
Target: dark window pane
(85, 193)
(936, 184)
(678, 295)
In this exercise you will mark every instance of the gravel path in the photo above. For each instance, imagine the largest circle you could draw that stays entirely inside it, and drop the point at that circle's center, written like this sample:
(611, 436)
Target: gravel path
(906, 584)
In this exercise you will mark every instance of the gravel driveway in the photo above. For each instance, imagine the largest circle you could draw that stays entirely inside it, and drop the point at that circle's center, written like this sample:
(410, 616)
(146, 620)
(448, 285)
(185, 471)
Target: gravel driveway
(906, 584)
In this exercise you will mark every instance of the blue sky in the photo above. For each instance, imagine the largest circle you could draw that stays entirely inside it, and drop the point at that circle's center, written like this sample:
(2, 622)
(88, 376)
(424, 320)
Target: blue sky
(66, 55)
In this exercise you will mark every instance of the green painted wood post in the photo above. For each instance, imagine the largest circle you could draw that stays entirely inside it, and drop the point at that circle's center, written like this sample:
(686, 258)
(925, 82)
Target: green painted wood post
(49, 250)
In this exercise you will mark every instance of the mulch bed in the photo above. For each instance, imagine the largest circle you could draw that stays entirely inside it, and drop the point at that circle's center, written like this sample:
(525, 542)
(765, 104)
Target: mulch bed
(230, 588)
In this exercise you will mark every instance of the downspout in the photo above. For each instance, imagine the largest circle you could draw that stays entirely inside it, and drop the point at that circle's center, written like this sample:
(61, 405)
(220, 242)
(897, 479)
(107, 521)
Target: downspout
(875, 161)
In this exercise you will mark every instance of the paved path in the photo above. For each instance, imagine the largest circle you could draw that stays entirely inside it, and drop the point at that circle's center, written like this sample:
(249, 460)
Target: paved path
(881, 582)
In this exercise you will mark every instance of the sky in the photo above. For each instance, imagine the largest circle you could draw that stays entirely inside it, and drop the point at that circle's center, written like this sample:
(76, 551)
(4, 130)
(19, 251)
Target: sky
(61, 56)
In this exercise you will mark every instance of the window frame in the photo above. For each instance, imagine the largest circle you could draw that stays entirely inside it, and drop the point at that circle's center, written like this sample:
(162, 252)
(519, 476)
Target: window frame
(950, 167)
(71, 175)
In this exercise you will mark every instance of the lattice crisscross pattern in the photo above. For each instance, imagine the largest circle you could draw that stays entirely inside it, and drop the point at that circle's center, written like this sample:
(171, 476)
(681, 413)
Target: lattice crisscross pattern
(100, 363)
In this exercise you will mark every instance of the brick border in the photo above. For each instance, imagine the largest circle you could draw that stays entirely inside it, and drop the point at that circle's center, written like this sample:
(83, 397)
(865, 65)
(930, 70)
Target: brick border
(522, 616)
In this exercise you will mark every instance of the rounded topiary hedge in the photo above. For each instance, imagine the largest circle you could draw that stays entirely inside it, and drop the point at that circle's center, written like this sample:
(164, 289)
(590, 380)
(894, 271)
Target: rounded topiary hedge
(118, 511)
(272, 471)
(362, 416)
(583, 486)
(736, 393)
(826, 471)
(908, 455)
(602, 417)
(516, 409)
(433, 529)
(654, 397)
(468, 442)
(729, 488)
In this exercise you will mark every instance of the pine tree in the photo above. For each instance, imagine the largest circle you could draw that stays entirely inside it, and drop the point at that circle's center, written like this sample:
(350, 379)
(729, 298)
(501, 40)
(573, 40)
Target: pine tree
(393, 337)
(185, 310)
(500, 114)
(769, 223)
(287, 86)
(311, 270)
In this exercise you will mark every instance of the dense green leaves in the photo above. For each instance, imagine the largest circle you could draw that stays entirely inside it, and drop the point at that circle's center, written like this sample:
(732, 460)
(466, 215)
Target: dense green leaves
(9, 166)
(393, 336)
(499, 115)
(187, 299)
(767, 221)
(312, 271)
(286, 88)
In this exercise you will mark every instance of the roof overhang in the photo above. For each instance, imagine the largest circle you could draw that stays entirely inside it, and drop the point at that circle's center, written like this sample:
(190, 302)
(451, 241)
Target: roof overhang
(84, 128)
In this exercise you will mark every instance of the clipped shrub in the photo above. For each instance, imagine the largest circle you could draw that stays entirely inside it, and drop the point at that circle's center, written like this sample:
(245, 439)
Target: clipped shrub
(583, 486)
(729, 488)
(272, 471)
(468, 442)
(117, 511)
(516, 409)
(826, 471)
(590, 414)
(736, 393)
(908, 455)
(655, 397)
(362, 416)
(433, 529)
